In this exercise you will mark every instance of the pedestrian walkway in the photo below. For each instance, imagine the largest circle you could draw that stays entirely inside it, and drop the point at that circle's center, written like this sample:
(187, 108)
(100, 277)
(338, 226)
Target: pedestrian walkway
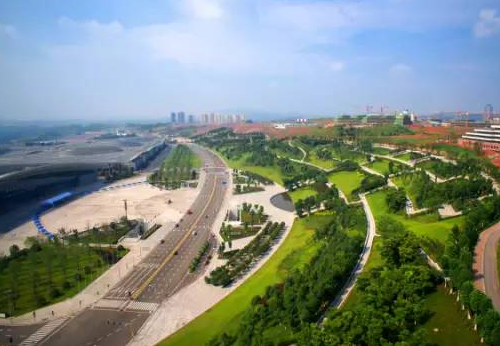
(43, 332)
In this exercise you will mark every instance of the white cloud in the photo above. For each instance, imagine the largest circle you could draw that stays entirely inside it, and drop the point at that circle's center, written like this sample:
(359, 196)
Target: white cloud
(7, 30)
(400, 68)
(488, 23)
(313, 16)
(204, 9)
(336, 66)
(91, 27)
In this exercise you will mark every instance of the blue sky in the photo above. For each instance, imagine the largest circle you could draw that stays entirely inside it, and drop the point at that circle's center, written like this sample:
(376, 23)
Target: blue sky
(131, 59)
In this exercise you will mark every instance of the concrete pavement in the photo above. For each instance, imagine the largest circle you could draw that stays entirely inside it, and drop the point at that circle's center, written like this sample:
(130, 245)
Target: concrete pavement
(172, 257)
(485, 264)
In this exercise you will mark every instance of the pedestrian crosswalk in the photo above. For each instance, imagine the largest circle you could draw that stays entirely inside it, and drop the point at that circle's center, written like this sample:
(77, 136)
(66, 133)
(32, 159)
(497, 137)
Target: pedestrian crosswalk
(142, 306)
(43, 332)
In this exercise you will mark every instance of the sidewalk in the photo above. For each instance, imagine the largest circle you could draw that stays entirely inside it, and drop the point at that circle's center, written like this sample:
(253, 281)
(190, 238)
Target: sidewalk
(363, 258)
(99, 287)
(195, 299)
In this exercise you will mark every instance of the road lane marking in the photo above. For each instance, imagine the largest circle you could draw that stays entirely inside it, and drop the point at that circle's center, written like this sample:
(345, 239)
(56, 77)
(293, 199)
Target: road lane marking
(146, 283)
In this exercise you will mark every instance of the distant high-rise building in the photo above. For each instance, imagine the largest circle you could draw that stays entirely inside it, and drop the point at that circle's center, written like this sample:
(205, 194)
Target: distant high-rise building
(173, 117)
(191, 118)
(181, 117)
(403, 118)
(240, 118)
(488, 112)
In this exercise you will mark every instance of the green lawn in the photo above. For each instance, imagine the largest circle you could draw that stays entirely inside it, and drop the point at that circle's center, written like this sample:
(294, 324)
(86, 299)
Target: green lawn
(270, 172)
(448, 325)
(348, 154)
(302, 193)
(106, 234)
(305, 147)
(455, 151)
(326, 164)
(430, 166)
(315, 160)
(424, 225)
(39, 277)
(381, 151)
(404, 157)
(297, 249)
(346, 181)
(382, 166)
(404, 182)
(177, 167)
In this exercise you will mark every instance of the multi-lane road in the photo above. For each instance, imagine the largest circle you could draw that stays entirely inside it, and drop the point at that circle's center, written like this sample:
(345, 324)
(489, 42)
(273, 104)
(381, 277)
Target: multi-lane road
(485, 264)
(123, 310)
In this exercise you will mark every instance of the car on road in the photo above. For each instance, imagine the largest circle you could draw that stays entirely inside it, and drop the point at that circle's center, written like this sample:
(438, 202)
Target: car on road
(162, 241)
(189, 212)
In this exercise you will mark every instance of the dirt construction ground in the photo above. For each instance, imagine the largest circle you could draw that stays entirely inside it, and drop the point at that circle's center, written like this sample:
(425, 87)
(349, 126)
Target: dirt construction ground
(144, 201)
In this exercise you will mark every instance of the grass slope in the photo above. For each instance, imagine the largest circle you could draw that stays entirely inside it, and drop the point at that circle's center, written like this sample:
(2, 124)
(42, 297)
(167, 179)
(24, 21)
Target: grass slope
(297, 249)
(448, 325)
(382, 166)
(427, 225)
(302, 193)
(326, 164)
(270, 172)
(404, 157)
(29, 274)
(346, 181)
(178, 166)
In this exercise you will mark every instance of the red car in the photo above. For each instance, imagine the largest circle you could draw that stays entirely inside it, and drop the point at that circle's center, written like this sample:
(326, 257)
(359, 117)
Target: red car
(189, 212)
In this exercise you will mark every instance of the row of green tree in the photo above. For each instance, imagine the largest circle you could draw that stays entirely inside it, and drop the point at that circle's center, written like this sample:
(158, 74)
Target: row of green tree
(457, 263)
(304, 206)
(390, 310)
(199, 257)
(447, 170)
(286, 309)
(305, 177)
(370, 182)
(458, 192)
(180, 165)
(244, 258)
(46, 271)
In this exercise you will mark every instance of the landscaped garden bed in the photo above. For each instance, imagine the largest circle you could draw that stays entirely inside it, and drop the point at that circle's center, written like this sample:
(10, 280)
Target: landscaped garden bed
(244, 259)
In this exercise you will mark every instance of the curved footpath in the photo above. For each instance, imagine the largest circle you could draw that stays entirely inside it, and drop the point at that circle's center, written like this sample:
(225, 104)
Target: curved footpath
(304, 154)
(363, 258)
(485, 264)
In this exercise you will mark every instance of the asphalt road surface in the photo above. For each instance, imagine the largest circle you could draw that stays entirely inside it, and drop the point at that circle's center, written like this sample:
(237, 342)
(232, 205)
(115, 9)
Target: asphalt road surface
(485, 264)
(116, 318)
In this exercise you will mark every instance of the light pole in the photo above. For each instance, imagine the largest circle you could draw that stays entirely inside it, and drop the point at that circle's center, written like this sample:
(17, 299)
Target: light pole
(125, 205)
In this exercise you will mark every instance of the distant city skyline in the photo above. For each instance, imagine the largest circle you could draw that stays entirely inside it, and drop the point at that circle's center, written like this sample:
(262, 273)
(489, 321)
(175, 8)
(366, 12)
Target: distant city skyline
(140, 60)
